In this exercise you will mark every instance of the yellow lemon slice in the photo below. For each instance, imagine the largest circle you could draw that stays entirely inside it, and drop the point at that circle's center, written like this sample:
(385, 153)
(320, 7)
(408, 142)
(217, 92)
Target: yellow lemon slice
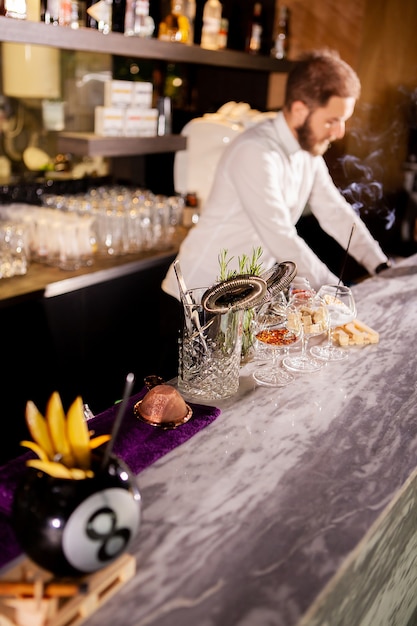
(78, 434)
(38, 428)
(36, 449)
(57, 424)
(80, 474)
(98, 441)
(57, 470)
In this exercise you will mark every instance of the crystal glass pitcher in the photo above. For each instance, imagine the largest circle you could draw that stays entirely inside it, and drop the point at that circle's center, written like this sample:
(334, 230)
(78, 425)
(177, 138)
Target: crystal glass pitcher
(210, 348)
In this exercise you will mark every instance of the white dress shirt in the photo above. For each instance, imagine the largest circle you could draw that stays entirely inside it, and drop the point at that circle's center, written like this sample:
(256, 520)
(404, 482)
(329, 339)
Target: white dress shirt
(263, 182)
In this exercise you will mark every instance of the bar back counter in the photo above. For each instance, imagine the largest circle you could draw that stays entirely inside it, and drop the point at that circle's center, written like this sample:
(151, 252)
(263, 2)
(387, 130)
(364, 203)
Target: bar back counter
(297, 506)
(78, 332)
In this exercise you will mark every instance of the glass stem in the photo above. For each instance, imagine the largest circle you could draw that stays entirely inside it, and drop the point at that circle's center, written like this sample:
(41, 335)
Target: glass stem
(303, 346)
(329, 337)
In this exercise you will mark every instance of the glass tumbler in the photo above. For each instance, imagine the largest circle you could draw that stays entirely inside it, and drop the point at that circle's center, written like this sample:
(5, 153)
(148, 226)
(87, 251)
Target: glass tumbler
(210, 350)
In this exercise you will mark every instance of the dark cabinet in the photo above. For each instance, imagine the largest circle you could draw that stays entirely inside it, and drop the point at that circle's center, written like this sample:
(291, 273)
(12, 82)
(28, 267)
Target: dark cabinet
(83, 342)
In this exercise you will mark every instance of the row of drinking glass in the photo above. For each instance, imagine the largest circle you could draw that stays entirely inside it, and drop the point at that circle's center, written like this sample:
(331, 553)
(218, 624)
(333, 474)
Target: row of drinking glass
(51, 237)
(13, 254)
(69, 230)
(123, 220)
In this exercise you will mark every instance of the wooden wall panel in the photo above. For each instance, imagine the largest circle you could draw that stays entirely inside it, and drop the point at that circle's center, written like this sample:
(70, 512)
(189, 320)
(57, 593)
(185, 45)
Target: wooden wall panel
(329, 23)
(388, 71)
(388, 55)
(319, 24)
(379, 40)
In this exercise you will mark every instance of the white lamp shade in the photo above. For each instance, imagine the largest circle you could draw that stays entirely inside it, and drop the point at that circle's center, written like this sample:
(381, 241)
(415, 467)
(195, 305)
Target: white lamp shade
(30, 71)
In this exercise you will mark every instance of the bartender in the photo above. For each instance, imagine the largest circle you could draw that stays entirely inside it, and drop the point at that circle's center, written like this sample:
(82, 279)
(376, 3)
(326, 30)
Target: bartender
(271, 172)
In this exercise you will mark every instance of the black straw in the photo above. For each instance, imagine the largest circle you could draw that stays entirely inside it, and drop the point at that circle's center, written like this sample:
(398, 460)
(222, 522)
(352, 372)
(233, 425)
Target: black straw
(130, 379)
(346, 255)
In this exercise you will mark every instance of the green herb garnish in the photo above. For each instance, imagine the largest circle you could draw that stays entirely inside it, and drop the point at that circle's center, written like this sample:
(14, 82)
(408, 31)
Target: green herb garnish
(246, 265)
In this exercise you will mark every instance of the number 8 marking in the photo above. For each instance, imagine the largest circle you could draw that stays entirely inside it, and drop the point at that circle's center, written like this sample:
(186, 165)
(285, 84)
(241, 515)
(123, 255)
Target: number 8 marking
(108, 538)
(100, 529)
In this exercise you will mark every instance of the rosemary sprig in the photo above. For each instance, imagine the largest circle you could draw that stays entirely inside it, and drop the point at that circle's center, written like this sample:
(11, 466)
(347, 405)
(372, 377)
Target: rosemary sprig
(246, 265)
(224, 262)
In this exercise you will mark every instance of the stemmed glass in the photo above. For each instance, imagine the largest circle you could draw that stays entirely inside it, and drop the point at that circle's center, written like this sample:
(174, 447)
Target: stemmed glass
(311, 313)
(300, 286)
(274, 334)
(341, 307)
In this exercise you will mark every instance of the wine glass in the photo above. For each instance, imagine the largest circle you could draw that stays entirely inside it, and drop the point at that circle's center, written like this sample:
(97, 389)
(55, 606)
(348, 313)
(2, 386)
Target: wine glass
(300, 286)
(341, 306)
(312, 315)
(274, 335)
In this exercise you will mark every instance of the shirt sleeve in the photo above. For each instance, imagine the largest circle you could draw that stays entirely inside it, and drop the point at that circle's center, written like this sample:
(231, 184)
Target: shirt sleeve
(337, 217)
(258, 176)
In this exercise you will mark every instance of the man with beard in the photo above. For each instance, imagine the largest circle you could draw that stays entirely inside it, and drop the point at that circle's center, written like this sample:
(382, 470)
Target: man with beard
(271, 172)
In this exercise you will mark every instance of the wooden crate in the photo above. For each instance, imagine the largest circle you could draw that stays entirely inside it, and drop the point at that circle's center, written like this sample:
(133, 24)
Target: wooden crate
(39, 610)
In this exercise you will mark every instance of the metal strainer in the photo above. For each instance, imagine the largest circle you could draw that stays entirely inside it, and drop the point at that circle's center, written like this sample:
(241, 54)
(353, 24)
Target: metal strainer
(278, 278)
(233, 294)
(248, 291)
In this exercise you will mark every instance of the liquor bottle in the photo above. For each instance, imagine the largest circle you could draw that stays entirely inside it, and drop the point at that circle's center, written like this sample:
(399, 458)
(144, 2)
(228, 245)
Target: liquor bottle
(254, 38)
(138, 22)
(90, 21)
(65, 13)
(16, 10)
(280, 49)
(223, 33)
(212, 15)
(191, 210)
(168, 29)
(118, 16)
(178, 9)
(51, 15)
(175, 26)
(77, 14)
(100, 13)
(190, 11)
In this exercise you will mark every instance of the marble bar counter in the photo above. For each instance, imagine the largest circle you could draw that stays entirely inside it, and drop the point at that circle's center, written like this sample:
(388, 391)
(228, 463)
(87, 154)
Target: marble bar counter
(297, 506)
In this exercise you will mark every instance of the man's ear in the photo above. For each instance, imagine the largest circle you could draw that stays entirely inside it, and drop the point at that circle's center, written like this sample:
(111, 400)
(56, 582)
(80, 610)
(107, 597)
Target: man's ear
(299, 113)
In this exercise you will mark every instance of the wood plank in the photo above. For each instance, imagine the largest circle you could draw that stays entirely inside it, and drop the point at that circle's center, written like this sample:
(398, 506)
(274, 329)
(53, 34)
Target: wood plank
(89, 144)
(88, 39)
(73, 611)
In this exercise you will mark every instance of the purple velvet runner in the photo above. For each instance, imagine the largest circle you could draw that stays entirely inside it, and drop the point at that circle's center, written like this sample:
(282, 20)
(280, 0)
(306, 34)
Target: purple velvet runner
(137, 443)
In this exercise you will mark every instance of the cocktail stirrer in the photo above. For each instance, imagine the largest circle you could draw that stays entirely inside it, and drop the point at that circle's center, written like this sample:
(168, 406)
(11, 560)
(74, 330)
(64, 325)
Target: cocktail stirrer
(181, 283)
(130, 379)
(346, 255)
(185, 297)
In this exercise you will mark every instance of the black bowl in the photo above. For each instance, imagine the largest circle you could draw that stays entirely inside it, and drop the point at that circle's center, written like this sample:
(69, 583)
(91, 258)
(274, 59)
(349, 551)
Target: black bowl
(76, 527)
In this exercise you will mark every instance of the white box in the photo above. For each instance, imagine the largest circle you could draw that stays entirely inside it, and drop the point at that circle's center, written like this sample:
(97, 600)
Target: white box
(118, 93)
(141, 122)
(142, 95)
(133, 122)
(149, 123)
(109, 121)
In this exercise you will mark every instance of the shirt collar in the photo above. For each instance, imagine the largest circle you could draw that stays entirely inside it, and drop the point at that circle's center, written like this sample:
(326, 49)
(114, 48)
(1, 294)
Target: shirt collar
(287, 141)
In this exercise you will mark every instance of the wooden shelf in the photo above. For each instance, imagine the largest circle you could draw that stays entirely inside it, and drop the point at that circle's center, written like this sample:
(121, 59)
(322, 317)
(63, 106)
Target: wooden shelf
(46, 281)
(86, 39)
(89, 144)
(90, 40)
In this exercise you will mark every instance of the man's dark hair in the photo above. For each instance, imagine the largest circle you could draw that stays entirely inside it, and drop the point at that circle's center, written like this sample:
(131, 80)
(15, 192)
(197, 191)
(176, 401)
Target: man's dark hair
(319, 75)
